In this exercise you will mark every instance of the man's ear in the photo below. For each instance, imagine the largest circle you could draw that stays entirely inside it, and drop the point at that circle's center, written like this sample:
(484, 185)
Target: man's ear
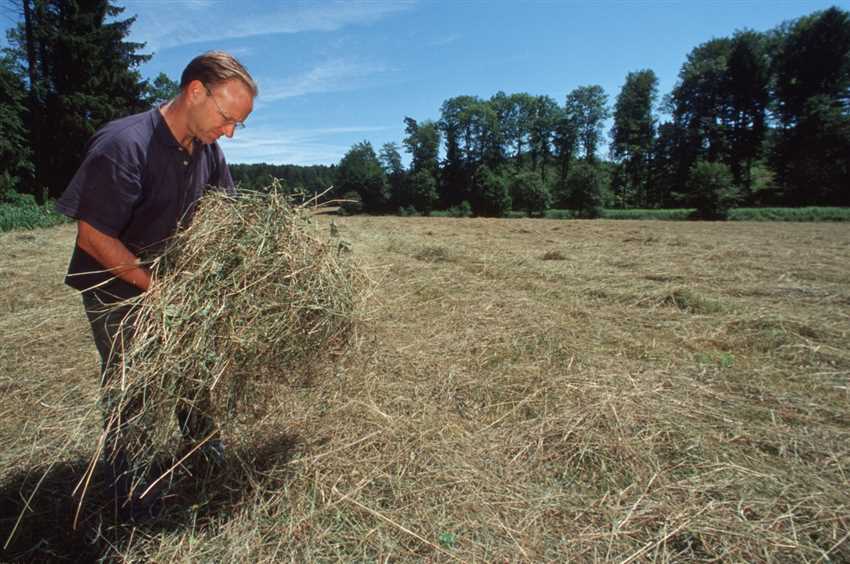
(195, 92)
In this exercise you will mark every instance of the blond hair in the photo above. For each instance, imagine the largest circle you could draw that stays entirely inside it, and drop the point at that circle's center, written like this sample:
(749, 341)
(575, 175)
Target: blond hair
(215, 67)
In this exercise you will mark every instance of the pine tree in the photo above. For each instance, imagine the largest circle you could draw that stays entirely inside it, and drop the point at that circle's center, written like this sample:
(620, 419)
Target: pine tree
(14, 146)
(82, 74)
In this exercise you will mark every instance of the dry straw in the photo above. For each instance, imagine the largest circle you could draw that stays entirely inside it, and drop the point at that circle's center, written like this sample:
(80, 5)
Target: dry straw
(249, 292)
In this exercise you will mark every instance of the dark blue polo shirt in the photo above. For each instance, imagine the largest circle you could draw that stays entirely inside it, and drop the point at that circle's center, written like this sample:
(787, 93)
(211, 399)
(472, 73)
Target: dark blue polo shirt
(137, 184)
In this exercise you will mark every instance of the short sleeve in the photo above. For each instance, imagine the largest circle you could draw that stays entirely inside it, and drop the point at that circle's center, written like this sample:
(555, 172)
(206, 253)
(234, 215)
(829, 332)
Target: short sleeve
(102, 193)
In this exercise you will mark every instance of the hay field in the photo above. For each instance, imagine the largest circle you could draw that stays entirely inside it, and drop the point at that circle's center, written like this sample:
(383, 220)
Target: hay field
(521, 390)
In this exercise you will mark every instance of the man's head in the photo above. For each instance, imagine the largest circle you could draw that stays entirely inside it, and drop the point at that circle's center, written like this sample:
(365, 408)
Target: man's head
(219, 93)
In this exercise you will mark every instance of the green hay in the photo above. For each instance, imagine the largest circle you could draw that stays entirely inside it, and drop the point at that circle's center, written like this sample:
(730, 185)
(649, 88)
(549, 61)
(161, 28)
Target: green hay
(248, 293)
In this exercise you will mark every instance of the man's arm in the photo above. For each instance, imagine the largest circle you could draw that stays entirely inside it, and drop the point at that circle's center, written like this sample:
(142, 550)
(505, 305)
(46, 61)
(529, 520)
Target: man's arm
(113, 255)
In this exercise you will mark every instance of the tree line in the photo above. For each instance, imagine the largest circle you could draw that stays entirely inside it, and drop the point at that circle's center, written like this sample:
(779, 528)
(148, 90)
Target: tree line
(294, 179)
(757, 118)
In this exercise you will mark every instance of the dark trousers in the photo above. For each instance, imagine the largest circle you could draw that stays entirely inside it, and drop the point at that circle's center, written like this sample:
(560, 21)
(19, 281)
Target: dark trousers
(113, 328)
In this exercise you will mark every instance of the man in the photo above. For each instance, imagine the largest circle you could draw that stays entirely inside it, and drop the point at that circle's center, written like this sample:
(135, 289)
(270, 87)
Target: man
(139, 182)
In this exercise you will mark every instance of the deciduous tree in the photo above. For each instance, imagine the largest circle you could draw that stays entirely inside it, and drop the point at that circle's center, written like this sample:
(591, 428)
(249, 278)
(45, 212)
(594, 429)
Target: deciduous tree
(747, 83)
(360, 171)
(700, 106)
(633, 133)
(161, 90)
(587, 108)
(529, 192)
(586, 190)
(713, 189)
(813, 98)
(492, 195)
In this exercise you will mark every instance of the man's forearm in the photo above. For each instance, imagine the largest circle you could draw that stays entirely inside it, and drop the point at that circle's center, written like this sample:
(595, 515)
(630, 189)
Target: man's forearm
(113, 255)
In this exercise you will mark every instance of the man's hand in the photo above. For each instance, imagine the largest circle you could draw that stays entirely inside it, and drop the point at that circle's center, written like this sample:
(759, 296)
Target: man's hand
(113, 255)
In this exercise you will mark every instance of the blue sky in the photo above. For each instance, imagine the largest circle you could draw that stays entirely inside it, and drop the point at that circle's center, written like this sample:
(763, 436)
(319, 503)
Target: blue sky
(335, 73)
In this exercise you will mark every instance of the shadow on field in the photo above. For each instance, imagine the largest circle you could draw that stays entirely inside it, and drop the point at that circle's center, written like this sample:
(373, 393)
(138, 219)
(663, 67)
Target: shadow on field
(46, 531)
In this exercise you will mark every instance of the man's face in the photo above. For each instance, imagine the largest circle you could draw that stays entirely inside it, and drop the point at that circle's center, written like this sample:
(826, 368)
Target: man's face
(220, 109)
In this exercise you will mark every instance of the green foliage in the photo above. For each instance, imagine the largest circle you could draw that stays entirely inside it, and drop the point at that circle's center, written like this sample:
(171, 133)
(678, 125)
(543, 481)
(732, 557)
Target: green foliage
(20, 211)
(447, 540)
(529, 193)
(813, 59)
(309, 180)
(423, 144)
(559, 214)
(15, 154)
(699, 103)
(817, 163)
(544, 115)
(462, 210)
(719, 105)
(360, 172)
(82, 73)
(585, 187)
(477, 131)
(681, 214)
(764, 189)
(721, 360)
(7, 185)
(633, 133)
(790, 214)
(587, 109)
(161, 90)
(735, 214)
(408, 211)
(712, 190)
(665, 165)
(719, 114)
(812, 75)
(390, 159)
(422, 191)
(492, 191)
(747, 85)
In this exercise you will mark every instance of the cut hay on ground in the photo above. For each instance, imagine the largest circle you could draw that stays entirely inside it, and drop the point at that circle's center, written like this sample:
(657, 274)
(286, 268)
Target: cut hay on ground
(248, 292)
(669, 392)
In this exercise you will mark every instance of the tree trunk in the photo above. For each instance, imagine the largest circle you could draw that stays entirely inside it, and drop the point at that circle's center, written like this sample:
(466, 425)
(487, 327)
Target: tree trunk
(35, 114)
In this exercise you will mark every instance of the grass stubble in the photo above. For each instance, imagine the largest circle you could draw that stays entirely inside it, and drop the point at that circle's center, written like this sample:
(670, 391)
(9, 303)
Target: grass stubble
(666, 392)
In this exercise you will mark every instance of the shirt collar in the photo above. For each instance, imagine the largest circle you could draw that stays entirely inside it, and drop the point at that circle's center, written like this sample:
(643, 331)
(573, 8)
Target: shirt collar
(161, 130)
(164, 135)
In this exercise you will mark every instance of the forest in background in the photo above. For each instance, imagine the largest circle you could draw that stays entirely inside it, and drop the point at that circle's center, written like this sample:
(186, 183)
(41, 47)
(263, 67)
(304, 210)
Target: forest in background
(755, 119)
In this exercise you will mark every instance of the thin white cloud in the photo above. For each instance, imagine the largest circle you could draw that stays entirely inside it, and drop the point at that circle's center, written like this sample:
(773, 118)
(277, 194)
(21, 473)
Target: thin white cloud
(184, 22)
(445, 40)
(293, 146)
(331, 76)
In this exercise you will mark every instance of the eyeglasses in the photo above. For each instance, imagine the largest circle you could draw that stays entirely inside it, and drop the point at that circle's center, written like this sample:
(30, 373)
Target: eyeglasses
(227, 119)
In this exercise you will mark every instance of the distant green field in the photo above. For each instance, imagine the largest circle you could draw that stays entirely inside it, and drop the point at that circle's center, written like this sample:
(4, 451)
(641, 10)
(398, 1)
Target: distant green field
(662, 214)
(21, 211)
(738, 214)
(790, 214)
